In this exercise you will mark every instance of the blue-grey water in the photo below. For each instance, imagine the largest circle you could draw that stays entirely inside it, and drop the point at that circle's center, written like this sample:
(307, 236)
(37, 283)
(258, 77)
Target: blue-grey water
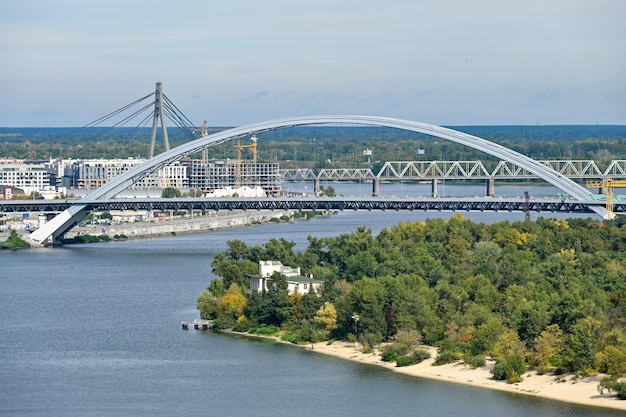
(94, 330)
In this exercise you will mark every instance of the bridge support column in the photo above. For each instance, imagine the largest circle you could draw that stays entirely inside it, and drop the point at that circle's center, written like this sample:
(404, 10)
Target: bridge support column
(491, 187)
(316, 186)
(433, 188)
(376, 187)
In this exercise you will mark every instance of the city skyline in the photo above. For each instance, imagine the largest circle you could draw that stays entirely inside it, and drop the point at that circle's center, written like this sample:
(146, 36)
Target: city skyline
(446, 63)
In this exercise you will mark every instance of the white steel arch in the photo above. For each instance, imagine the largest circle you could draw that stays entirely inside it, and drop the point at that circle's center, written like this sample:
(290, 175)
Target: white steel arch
(64, 221)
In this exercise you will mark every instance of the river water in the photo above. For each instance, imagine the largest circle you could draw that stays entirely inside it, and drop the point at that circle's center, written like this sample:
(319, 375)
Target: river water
(94, 330)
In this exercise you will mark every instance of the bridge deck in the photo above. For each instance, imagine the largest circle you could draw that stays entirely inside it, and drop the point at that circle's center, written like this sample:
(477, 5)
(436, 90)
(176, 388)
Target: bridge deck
(314, 203)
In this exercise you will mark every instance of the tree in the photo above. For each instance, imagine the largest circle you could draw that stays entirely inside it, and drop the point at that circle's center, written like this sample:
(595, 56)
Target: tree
(326, 317)
(486, 250)
(507, 345)
(548, 347)
(583, 344)
(367, 300)
(208, 305)
(234, 302)
(328, 191)
(170, 193)
(614, 358)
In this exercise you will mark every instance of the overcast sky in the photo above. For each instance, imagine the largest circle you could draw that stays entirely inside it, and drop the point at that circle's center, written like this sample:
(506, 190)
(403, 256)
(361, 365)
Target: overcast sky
(447, 62)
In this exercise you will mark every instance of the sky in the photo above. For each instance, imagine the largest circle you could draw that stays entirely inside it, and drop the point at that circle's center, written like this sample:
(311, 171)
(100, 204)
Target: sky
(445, 62)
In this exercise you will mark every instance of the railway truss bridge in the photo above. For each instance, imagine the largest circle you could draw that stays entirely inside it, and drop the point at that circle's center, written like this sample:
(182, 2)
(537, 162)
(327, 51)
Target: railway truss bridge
(434, 171)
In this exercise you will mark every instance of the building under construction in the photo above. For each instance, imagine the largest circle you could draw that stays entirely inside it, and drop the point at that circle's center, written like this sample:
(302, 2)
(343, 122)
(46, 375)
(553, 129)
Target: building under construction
(212, 175)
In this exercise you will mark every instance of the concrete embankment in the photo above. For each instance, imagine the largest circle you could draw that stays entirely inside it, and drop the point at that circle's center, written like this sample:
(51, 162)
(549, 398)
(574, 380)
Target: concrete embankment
(175, 225)
(155, 227)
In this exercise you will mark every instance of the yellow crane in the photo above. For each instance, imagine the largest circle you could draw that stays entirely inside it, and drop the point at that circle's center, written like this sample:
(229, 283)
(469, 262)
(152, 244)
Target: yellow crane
(607, 185)
(239, 148)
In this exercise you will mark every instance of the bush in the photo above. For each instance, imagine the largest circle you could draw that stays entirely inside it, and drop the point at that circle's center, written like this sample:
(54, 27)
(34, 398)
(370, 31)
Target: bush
(446, 356)
(243, 324)
(389, 356)
(421, 355)
(405, 361)
(393, 351)
(14, 242)
(510, 369)
(611, 384)
(416, 357)
(86, 239)
(292, 337)
(303, 334)
(264, 330)
(224, 322)
(478, 361)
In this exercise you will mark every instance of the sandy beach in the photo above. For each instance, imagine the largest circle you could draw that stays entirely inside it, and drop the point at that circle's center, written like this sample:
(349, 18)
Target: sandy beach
(568, 388)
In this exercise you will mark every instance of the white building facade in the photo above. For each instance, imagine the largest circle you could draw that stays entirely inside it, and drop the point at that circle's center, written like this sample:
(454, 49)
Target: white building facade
(28, 177)
(296, 283)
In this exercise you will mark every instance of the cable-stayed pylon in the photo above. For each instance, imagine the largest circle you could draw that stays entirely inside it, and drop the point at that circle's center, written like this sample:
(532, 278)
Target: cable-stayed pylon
(158, 112)
(160, 107)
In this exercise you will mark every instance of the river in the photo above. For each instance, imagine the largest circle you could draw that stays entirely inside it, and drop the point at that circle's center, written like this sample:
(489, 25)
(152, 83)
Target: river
(94, 330)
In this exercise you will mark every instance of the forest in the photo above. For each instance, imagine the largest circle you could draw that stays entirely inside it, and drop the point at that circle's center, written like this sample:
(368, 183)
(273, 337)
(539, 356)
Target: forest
(548, 295)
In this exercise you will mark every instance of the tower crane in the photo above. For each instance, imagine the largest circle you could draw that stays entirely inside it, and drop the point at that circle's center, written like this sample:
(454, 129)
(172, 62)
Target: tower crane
(239, 147)
(204, 132)
(607, 185)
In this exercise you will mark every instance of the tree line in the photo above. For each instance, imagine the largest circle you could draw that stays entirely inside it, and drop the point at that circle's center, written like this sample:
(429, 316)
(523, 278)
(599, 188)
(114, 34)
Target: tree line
(327, 147)
(548, 295)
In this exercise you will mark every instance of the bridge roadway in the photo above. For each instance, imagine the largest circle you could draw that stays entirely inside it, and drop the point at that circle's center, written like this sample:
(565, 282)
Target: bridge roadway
(461, 204)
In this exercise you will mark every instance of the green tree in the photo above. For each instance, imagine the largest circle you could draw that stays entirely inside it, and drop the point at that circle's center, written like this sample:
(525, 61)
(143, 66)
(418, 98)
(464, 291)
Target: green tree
(548, 347)
(170, 193)
(328, 191)
(208, 305)
(582, 345)
(367, 300)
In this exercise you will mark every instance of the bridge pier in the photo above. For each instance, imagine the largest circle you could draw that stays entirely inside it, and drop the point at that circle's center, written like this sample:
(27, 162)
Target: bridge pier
(376, 187)
(433, 188)
(316, 186)
(491, 187)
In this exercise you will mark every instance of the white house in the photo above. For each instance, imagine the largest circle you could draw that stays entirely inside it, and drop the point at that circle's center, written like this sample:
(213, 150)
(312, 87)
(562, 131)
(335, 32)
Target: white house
(295, 281)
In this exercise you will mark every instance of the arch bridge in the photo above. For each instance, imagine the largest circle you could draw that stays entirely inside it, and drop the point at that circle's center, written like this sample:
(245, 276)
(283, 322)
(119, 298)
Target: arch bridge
(64, 221)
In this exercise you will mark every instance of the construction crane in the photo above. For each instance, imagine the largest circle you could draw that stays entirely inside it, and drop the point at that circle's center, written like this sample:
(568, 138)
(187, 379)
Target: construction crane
(239, 147)
(204, 132)
(607, 185)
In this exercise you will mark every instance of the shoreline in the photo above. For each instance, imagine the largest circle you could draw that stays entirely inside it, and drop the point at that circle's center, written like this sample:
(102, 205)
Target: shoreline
(565, 388)
(179, 226)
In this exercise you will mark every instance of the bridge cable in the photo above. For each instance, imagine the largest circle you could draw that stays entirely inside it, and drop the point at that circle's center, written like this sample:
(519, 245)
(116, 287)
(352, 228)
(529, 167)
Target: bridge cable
(113, 113)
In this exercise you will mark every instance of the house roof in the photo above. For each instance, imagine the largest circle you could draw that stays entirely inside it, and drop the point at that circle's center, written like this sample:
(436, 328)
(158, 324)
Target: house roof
(295, 279)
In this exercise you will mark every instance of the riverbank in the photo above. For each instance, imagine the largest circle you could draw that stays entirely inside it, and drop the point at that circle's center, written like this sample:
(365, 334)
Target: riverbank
(175, 226)
(566, 388)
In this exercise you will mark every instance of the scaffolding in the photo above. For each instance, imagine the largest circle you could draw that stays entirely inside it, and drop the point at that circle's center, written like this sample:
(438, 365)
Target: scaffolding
(239, 147)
